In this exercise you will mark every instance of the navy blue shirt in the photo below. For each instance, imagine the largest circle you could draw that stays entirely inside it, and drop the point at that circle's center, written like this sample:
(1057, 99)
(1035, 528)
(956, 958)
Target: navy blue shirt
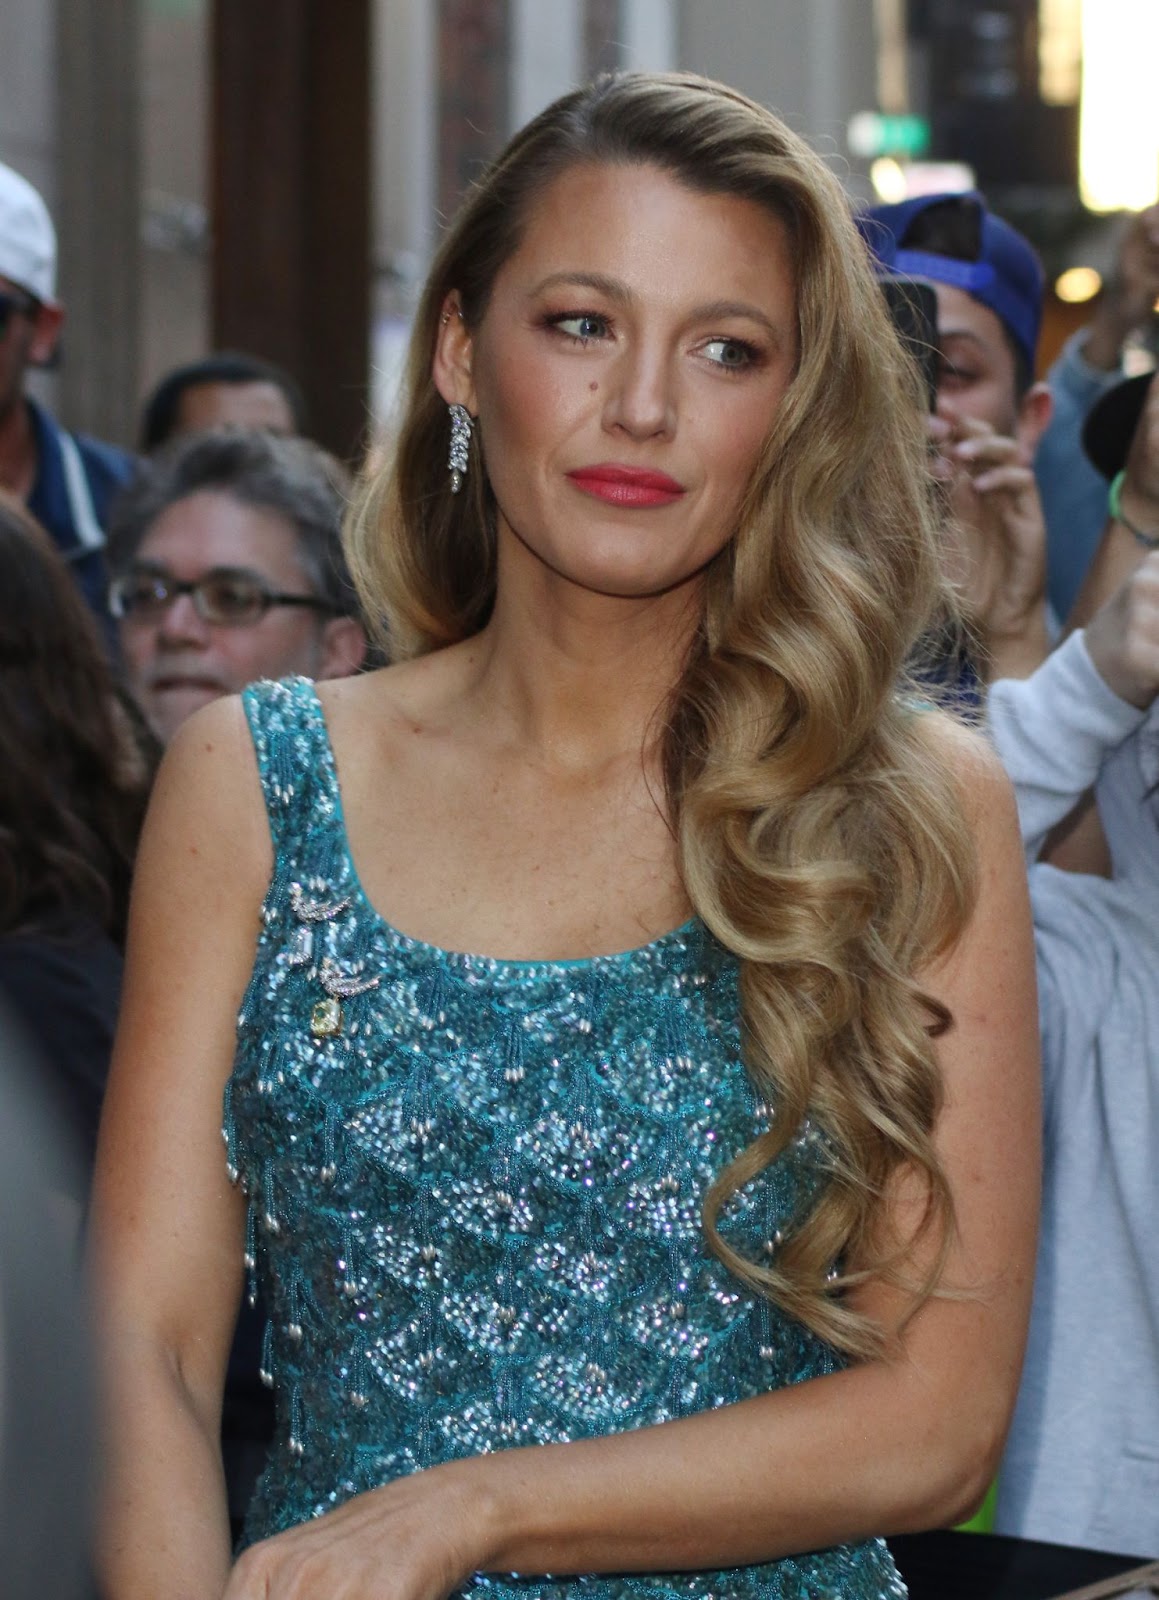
(74, 506)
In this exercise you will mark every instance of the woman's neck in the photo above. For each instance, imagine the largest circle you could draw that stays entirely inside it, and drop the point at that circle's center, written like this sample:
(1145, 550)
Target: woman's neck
(577, 678)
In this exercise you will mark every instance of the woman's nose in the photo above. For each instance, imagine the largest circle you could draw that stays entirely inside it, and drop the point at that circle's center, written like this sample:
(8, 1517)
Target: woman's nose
(642, 397)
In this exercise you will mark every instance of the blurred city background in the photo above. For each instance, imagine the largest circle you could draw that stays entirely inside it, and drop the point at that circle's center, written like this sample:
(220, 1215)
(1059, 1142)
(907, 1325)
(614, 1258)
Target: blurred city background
(270, 175)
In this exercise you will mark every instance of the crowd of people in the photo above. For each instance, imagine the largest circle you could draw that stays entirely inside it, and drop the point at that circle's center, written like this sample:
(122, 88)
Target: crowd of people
(631, 1104)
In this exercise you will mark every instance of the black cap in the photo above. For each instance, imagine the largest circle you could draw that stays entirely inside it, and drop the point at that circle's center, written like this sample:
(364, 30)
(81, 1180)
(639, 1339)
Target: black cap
(1111, 424)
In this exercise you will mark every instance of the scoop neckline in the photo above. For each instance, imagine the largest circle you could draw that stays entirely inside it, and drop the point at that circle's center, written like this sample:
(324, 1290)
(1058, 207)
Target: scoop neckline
(691, 928)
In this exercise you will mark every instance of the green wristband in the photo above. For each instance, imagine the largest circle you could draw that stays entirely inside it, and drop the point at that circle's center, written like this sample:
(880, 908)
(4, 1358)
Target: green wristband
(1150, 541)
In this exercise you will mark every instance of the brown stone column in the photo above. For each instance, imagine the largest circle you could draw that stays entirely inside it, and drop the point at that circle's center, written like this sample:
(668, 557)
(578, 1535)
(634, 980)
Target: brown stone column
(603, 36)
(474, 106)
(290, 198)
(98, 214)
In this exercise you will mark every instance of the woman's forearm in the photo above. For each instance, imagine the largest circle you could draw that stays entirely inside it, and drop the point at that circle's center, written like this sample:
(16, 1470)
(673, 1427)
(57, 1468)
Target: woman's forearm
(881, 1448)
(832, 1460)
(164, 1524)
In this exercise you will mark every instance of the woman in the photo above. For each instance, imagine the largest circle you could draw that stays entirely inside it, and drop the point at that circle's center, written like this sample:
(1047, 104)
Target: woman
(653, 612)
(72, 794)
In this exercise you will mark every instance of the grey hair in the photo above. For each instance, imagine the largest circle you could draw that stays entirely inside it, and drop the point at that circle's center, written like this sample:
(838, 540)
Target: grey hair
(294, 478)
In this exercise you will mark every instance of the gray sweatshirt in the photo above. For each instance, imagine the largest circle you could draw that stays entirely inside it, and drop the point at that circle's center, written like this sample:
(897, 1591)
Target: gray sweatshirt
(1082, 1461)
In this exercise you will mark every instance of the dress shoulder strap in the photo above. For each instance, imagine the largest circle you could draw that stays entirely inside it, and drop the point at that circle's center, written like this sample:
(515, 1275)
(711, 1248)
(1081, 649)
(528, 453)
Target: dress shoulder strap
(298, 775)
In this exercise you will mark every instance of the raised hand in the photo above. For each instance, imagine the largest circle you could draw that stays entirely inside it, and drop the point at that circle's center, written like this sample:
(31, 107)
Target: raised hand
(995, 538)
(1131, 290)
(1123, 636)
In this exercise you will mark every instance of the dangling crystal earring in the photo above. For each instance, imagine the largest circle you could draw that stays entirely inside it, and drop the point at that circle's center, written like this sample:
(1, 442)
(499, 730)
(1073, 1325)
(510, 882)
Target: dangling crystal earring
(457, 461)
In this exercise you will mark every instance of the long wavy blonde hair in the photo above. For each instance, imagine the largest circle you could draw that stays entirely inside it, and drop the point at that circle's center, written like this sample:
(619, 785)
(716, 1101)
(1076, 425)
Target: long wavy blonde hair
(817, 840)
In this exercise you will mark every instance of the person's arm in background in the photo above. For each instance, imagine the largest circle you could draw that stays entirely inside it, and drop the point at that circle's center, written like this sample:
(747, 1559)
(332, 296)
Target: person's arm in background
(1052, 736)
(1054, 730)
(1127, 539)
(1073, 494)
(1128, 295)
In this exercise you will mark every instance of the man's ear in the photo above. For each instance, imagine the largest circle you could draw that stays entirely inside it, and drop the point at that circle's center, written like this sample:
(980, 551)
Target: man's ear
(344, 648)
(1035, 410)
(451, 368)
(46, 325)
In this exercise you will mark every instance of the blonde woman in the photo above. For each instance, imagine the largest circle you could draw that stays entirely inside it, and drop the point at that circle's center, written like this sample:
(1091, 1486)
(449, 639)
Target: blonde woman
(632, 1115)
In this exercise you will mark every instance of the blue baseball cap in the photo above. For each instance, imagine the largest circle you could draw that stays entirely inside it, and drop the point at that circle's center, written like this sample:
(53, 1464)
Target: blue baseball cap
(1006, 276)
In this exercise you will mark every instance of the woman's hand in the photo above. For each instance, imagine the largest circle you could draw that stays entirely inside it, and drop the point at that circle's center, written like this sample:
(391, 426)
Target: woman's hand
(418, 1538)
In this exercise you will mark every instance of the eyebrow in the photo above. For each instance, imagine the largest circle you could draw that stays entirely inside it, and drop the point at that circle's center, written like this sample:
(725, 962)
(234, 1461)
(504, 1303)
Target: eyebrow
(619, 292)
(158, 569)
(963, 333)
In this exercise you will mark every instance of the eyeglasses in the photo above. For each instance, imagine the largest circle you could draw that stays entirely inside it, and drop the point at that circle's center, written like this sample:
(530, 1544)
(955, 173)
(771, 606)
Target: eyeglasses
(12, 305)
(226, 597)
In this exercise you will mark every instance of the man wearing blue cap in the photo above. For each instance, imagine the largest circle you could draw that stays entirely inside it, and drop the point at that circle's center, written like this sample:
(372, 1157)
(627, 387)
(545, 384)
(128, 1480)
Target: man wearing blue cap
(990, 413)
(66, 480)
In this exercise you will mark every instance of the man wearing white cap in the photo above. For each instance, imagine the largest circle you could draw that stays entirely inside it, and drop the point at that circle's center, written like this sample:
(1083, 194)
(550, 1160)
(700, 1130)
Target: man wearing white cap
(66, 480)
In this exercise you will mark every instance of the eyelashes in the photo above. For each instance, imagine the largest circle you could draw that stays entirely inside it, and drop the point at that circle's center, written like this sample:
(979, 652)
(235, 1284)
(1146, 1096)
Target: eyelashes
(579, 326)
(582, 328)
(949, 373)
(732, 349)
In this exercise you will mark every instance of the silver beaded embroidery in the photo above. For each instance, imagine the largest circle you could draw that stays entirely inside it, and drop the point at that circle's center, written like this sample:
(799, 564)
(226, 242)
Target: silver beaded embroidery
(475, 1210)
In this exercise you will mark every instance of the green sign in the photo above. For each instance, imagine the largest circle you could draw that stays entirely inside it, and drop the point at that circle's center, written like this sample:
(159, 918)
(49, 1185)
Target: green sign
(873, 133)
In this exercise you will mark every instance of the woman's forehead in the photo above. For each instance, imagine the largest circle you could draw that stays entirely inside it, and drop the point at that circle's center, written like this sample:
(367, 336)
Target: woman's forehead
(646, 228)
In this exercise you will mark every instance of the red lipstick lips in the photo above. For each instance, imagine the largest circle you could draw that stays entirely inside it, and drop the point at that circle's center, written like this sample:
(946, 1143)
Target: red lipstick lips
(634, 487)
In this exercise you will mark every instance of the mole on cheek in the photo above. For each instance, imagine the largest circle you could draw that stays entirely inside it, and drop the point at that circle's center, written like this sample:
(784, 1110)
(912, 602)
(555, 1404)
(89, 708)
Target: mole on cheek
(593, 386)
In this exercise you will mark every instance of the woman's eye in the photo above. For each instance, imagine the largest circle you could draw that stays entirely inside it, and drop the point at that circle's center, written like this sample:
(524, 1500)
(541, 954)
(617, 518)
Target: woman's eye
(583, 326)
(734, 353)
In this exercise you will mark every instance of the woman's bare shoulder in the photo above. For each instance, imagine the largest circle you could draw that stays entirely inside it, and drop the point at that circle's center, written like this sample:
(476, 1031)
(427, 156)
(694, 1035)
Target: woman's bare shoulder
(964, 751)
(401, 698)
(207, 803)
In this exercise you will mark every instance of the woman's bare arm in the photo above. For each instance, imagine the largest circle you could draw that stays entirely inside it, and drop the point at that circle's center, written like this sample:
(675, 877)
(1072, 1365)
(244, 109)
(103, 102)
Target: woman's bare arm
(167, 1226)
(906, 1442)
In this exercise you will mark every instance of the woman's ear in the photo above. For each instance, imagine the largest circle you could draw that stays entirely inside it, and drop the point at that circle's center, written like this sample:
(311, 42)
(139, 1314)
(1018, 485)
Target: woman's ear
(454, 348)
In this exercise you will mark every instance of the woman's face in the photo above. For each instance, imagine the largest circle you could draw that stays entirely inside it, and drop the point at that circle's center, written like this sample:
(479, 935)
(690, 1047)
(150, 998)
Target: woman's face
(626, 373)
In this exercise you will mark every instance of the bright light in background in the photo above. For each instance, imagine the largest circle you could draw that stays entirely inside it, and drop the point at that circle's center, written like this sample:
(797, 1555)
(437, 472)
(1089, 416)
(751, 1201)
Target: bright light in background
(894, 181)
(888, 179)
(938, 177)
(1077, 284)
(1060, 51)
(1119, 123)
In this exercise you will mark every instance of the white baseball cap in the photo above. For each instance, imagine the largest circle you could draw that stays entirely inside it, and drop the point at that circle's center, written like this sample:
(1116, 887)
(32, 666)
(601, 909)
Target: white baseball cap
(27, 237)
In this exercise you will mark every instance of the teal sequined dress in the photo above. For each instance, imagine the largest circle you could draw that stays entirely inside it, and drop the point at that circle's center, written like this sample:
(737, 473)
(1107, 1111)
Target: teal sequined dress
(474, 1194)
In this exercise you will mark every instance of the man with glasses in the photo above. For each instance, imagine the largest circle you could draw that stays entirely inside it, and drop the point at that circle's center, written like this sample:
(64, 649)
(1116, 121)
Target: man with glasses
(66, 480)
(227, 567)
